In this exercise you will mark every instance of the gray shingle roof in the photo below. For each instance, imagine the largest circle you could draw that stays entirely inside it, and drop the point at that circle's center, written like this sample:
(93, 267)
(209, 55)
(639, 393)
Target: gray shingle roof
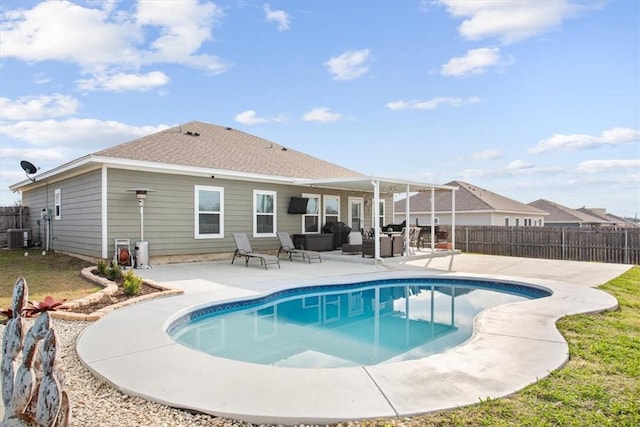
(563, 214)
(204, 145)
(468, 198)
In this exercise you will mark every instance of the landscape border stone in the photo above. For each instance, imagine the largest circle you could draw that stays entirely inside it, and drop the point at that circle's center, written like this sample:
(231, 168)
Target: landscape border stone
(109, 288)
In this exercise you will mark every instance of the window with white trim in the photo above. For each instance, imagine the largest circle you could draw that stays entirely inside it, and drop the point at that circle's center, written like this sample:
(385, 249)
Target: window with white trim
(209, 208)
(506, 221)
(331, 209)
(264, 213)
(311, 219)
(58, 204)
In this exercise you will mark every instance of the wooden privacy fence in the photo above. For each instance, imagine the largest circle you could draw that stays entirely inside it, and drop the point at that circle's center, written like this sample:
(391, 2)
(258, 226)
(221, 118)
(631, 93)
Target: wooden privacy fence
(12, 217)
(620, 246)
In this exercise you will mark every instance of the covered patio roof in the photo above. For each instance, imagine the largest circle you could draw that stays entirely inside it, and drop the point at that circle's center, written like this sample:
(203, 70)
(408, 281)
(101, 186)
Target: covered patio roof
(380, 185)
(365, 183)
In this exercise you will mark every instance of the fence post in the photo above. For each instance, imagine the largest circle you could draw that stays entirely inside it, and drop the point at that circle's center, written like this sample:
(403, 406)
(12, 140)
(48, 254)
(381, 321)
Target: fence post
(466, 239)
(626, 246)
(564, 249)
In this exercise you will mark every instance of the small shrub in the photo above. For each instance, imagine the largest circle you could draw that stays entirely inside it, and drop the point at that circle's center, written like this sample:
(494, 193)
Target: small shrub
(132, 283)
(102, 268)
(114, 273)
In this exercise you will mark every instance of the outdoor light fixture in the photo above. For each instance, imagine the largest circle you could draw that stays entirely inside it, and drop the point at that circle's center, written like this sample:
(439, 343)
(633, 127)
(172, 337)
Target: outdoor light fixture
(142, 247)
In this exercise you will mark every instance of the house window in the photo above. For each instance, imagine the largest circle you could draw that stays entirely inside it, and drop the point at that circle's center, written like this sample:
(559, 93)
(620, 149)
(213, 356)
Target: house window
(355, 213)
(517, 222)
(264, 213)
(506, 221)
(311, 220)
(331, 209)
(209, 209)
(58, 204)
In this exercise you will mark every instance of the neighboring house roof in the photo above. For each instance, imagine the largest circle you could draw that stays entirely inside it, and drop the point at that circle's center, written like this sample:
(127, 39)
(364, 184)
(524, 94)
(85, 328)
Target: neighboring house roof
(610, 218)
(469, 198)
(202, 145)
(563, 214)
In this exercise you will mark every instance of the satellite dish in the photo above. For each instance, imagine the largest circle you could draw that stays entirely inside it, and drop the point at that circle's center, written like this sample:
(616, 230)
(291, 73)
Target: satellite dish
(29, 169)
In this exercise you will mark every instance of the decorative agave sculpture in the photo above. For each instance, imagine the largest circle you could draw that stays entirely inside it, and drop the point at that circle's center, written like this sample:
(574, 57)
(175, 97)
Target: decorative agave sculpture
(31, 395)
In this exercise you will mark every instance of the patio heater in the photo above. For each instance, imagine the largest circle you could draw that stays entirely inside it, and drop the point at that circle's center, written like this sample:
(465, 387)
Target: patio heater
(142, 246)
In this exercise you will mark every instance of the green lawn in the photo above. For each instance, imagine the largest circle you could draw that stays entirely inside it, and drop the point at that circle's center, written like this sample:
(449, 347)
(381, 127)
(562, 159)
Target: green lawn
(599, 386)
(54, 274)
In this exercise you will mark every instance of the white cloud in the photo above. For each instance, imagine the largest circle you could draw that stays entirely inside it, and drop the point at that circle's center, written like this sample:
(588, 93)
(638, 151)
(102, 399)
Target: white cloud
(611, 137)
(476, 61)
(124, 82)
(184, 26)
(513, 169)
(432, 104)
(56, 154)
(510, 20)
(597, 166)
(84, 134)
(249, 118)
(278, 16)
(322, 115)
(520, 165)
(109, 43)
(64, 31)
(37, 107)
(350, 65)
(487, 155)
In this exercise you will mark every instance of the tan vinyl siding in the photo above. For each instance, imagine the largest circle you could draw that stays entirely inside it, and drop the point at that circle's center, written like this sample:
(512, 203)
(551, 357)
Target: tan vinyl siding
(78, 229)
(169, 212)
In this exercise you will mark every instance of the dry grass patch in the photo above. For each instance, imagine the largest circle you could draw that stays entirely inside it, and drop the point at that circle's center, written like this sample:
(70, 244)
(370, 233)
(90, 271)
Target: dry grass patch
(53, 274)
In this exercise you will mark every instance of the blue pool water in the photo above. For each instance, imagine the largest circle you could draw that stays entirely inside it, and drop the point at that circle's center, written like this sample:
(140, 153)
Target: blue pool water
(329, 326)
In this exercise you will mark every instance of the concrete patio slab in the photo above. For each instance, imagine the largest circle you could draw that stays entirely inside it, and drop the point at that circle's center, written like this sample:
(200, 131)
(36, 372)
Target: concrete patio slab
(513, 345)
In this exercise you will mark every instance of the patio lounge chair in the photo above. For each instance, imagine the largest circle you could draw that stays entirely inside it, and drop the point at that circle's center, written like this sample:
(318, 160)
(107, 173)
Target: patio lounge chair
(287, 246)
(243, 249)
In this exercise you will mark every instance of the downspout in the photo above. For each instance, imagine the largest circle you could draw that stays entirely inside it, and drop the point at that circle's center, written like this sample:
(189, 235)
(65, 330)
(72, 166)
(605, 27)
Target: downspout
(376, 218)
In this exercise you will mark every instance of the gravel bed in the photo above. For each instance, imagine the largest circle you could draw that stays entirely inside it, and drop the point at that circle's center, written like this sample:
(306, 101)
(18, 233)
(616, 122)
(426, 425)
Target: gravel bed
(94, 403)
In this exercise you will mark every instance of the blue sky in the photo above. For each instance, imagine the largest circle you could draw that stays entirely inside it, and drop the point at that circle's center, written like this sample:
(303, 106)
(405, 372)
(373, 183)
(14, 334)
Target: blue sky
(529, 99)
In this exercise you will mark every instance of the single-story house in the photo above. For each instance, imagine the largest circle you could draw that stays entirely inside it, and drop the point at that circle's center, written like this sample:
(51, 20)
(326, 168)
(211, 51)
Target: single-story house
(473, 206)
(562, 216)
(184, 190)
(613, 221)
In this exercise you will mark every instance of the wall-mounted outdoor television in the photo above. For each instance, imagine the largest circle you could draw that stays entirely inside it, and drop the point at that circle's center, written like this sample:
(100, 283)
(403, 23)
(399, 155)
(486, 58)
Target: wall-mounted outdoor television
(298, 205)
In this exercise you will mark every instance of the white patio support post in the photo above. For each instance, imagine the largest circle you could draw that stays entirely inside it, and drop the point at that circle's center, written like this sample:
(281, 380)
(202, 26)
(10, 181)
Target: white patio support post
(433, 220)
(453, 220)
(376, 218)
(407, 219)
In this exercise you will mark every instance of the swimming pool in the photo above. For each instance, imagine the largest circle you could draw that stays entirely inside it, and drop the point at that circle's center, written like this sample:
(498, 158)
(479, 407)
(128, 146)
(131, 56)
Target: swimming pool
(359, 324)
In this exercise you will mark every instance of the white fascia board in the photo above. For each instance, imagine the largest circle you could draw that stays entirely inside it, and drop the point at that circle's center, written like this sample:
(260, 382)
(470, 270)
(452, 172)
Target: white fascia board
(169, 168)
(83, 164)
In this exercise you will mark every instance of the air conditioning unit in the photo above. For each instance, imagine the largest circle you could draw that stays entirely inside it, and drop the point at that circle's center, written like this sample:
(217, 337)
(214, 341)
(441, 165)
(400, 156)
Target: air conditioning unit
(18, 238)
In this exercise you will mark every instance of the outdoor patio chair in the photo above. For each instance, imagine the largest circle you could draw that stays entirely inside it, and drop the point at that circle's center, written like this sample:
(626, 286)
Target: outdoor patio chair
(287, 246)
(243, 249)
(355, 243)
(368, 244)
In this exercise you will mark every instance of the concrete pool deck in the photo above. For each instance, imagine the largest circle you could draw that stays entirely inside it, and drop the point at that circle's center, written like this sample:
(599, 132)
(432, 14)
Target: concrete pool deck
(512, 345)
